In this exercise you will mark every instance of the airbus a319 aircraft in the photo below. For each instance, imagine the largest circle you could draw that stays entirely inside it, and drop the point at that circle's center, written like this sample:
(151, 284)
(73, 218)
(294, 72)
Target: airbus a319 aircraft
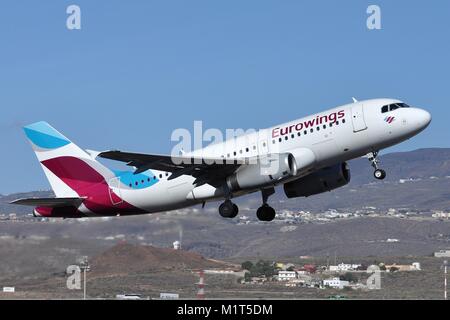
(307, 156)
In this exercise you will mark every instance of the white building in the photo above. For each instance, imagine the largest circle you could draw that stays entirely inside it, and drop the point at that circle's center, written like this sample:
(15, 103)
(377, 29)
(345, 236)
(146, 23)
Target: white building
(286, 275)
(169, 296)
(177, 245)
(442, 254)
(335, 283)
(416, 266)
(391, 212)
(441, 215)
(391, 240)
(130, 296)
(344, 267)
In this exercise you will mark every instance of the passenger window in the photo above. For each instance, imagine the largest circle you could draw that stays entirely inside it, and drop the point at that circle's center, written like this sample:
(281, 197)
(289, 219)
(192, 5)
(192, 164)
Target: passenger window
(298, 134)
(318, 128)
(324, 126)
(285, 138)
(279, 139)
(292, 136)
(305, 132)
(312, 130)
(247, 149)
(331, 124)
(343, 120)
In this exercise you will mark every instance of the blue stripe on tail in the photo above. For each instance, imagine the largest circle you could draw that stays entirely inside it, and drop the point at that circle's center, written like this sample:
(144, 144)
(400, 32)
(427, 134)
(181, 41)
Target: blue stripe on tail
(44, 136)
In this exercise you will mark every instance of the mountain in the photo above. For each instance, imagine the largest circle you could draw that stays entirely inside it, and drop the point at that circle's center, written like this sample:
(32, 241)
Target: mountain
(124, 258)
(5, 207)
(417, 179)
(417, 164)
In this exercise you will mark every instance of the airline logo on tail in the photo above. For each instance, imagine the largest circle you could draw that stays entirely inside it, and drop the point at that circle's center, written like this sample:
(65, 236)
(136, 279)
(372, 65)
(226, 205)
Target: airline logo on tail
(73, 173)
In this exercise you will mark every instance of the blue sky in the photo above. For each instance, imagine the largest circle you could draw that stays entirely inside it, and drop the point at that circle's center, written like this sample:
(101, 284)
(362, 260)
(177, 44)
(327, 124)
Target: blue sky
(139, 69)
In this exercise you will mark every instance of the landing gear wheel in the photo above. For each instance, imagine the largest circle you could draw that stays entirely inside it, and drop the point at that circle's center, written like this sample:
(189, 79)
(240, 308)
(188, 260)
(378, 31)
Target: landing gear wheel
(379, 174)
(235, 211)
(228, 209)
(265, 213)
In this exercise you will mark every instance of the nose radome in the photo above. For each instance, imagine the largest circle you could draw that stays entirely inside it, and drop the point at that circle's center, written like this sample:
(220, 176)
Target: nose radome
(424, 117)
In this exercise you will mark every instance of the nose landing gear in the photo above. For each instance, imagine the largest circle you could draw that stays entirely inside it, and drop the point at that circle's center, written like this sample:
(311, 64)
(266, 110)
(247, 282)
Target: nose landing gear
(379, 174)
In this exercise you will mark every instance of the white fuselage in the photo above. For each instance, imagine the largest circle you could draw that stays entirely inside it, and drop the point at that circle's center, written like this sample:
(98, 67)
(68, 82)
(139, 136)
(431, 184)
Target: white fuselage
(333, 136)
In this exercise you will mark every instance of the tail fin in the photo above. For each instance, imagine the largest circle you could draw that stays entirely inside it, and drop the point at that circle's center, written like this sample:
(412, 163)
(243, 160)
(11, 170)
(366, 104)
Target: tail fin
(69, 169)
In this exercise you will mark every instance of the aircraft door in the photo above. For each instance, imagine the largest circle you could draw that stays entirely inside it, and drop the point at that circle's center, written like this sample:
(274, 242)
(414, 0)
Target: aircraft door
(114, 191)
(359, 124)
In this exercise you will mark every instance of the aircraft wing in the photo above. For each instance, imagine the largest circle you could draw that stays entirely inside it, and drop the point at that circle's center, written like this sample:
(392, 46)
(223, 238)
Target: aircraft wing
(205, 170)
(49, 202)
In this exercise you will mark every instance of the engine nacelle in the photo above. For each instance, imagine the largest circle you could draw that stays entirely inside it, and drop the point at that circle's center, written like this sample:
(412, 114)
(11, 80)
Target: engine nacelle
(265, 171)
(326, 179)
(303, 160)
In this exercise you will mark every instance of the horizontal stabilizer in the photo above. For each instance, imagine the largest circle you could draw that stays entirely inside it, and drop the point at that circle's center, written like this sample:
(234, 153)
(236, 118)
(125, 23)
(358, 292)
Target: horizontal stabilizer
(50, 202)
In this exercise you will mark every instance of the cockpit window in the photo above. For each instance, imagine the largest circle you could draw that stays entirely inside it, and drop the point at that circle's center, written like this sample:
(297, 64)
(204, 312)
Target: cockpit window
(393, 106)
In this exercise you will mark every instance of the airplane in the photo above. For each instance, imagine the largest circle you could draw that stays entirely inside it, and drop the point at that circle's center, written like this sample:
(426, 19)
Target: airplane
(308, 156)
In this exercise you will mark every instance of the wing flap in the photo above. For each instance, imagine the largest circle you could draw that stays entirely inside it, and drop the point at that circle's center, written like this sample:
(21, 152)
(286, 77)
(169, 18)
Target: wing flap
(204, 169)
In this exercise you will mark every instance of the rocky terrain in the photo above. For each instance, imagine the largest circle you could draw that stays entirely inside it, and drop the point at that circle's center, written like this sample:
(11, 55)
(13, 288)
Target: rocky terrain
(36, 253)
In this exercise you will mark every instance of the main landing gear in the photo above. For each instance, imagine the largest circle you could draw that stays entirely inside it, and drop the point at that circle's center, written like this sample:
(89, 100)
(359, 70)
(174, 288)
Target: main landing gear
(266, 212)
(379, 174)
(228, 209)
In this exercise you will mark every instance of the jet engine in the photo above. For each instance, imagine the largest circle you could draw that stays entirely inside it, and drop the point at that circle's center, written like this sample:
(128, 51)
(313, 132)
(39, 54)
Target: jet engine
(266, 170)
(323, 180)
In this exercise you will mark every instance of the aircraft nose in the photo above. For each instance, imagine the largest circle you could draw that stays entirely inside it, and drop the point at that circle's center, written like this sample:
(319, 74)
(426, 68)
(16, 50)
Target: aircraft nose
(423, 118)
(419, 119)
